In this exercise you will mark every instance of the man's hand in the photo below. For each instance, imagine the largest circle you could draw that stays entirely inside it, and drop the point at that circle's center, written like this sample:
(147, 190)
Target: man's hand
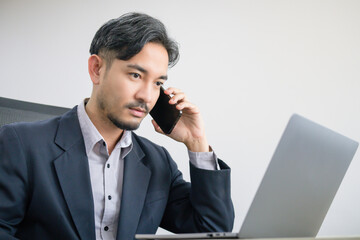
(190, 128)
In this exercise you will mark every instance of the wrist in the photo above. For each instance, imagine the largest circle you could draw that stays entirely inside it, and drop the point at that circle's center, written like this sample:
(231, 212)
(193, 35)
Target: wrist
(198, 145)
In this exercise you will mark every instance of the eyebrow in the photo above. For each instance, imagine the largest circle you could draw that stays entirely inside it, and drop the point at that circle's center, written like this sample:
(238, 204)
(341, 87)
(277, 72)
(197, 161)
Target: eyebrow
(141, 69)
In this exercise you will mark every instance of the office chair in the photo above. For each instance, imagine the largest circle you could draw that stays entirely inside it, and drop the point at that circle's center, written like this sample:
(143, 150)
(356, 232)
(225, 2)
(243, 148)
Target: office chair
(20, 111)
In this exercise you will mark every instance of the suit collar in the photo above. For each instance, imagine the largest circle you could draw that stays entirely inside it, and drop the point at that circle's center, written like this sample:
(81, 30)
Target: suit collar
(69, 132)
(136, 181)
(138, 152)
(72, 169)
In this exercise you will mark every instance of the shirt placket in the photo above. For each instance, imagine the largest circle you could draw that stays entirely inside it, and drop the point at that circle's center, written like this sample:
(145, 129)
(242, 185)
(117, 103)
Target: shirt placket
(107, 222)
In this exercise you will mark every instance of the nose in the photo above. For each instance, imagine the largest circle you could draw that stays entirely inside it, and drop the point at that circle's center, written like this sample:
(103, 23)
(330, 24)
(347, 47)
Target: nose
(145, 93)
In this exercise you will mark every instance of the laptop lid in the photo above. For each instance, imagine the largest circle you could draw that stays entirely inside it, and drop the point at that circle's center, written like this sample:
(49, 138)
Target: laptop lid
(300, 182)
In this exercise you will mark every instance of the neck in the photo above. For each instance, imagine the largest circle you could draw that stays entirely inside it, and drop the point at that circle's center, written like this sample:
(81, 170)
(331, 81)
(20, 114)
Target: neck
(106, 128)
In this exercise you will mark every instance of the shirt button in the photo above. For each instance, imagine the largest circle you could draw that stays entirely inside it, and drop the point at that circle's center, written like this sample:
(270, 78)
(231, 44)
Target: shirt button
(106, 228)
(109, 197)
(108, 165)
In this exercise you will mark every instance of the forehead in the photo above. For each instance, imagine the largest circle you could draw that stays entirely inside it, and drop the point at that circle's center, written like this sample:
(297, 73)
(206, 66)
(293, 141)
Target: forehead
(153, 58)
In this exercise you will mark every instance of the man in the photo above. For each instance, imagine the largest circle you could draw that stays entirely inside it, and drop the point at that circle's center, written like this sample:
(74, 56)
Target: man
(86, 175)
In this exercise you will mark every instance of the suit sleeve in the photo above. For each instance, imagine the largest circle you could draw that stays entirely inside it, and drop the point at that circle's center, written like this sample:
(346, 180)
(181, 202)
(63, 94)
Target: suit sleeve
(13, 181)
(204, 205)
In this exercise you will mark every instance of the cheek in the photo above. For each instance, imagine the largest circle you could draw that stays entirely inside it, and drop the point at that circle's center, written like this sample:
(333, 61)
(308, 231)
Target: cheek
(120, 91)
(154, 99)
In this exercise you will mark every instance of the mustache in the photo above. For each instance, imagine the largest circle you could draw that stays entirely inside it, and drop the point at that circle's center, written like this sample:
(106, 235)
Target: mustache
(138, 105)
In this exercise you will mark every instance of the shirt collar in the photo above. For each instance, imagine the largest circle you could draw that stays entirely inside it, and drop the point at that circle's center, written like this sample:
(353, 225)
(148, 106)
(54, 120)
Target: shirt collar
(91, 134)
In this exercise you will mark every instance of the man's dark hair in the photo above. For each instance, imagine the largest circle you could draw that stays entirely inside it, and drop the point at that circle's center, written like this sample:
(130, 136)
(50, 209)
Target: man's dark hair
(124, 37)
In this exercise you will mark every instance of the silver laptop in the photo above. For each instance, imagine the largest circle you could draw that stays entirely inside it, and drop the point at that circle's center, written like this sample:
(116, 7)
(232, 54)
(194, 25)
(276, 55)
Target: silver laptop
(298, 187)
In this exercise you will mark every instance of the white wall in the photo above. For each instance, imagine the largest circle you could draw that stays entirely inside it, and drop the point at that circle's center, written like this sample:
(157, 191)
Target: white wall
(248, 65)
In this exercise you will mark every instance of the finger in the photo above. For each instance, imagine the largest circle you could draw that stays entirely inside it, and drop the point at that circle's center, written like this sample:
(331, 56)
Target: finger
(156, 127)
(172, 90)
(187, 107)
(176, 95)
(177, 98)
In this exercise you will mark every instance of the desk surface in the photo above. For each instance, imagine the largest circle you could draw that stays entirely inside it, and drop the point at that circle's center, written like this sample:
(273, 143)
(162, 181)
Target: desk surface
(317, 238)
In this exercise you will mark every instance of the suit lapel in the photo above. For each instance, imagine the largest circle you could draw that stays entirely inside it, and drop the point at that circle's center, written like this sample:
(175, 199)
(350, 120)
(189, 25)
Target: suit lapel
(72, 169)
(136, 181)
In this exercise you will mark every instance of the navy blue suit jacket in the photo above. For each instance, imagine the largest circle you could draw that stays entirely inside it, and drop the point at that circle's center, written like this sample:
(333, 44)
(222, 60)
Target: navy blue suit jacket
(45, 188)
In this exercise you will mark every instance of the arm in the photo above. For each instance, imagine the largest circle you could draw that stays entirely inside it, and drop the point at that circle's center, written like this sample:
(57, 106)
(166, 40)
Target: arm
(13, 180)
(204, 205)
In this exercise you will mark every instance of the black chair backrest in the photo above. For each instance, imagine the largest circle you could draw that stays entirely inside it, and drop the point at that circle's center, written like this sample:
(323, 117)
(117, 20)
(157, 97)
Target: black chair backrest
(20, 111)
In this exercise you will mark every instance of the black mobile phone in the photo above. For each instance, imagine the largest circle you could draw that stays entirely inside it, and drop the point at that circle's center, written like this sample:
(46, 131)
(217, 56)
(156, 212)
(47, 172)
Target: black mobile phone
(165, 114)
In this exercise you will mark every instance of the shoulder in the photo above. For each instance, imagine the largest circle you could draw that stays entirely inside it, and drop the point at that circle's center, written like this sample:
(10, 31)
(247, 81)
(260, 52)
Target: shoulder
(144, 142)
(153, 152)
(21, 142)
(148, 146)
(33, 132)
(30, 128)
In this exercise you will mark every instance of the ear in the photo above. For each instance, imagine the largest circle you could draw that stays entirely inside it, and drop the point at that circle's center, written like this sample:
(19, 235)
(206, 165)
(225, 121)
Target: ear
(95, 66)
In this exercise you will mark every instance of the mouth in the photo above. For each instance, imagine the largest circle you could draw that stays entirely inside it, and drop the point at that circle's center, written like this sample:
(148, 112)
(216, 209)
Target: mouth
(138, 112)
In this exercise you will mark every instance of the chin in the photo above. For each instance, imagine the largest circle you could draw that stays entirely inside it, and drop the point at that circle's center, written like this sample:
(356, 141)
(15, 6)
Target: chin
(127, 125)
(124, 125)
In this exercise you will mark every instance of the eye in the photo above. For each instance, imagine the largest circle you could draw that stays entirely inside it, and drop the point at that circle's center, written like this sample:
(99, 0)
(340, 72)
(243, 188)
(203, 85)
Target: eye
(135, 75)
(159, 84)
